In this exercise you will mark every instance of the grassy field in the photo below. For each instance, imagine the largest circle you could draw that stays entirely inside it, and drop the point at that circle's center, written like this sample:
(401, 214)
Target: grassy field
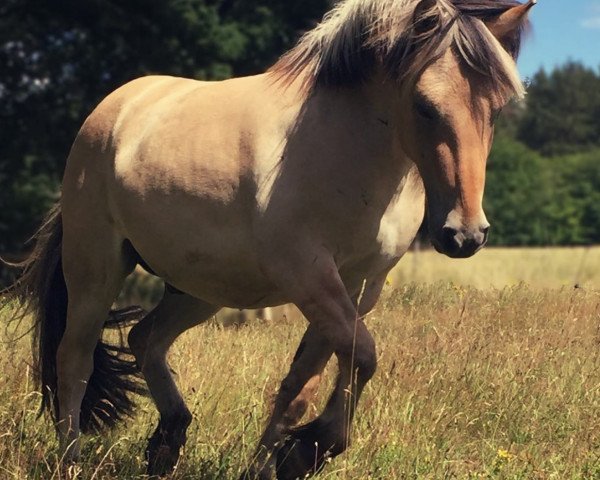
(501, 267)
(497, 382)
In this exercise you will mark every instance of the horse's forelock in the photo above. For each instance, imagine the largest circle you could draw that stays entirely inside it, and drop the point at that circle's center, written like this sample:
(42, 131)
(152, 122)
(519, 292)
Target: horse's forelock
(483, 53)
(403, 37)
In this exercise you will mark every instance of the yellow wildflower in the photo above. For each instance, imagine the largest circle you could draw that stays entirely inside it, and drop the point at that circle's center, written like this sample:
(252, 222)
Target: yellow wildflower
(505, 454)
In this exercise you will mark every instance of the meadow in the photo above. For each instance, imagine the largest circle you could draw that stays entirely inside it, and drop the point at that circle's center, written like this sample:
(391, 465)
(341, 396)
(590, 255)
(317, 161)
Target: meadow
(488, 368)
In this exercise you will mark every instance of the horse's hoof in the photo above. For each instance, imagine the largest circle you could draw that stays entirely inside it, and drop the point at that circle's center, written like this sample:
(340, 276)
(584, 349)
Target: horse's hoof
(306, 451)
(162, 454)
(161, 461)
(297, 460)
(165, 445)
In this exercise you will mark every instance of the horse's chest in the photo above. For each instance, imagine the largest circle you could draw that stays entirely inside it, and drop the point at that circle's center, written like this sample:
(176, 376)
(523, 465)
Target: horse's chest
(368, 255)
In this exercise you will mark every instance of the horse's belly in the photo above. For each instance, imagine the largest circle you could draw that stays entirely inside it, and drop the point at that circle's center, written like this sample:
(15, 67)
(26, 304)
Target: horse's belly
(228, 285)
(202, 246)
(227, 274)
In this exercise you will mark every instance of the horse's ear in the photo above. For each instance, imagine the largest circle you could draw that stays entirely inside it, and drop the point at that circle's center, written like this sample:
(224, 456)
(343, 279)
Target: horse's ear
(504, 26)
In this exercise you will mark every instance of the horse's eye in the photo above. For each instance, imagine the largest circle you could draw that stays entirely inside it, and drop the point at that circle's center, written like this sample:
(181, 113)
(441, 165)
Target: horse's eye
(426, 109)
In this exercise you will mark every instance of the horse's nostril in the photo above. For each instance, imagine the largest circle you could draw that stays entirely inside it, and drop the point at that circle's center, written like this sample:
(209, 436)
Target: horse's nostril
(486, 233)
(450, 239)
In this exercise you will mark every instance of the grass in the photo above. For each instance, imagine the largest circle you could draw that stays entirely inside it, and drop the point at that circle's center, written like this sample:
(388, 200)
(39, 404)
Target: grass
(494, 383)
(499, 267)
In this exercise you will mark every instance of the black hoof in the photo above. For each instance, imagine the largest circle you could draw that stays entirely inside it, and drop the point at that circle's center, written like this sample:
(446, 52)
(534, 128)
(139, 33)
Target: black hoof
(161, 460)
(306, 451)
(165, 446)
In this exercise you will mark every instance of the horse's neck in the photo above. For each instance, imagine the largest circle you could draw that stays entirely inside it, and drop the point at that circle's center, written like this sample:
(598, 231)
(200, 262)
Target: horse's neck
(361, 124)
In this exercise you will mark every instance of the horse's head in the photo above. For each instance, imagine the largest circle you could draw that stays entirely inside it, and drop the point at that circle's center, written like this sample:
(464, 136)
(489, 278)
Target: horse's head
(453, 106)
(454, 61)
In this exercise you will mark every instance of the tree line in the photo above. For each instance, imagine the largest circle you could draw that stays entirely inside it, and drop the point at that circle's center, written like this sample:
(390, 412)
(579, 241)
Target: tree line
(543, 184)
(58, 59)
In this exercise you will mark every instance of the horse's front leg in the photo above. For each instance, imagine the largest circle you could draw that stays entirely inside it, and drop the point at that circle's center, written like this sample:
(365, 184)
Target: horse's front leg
(292, 401)
(322, 297)
(308, 447)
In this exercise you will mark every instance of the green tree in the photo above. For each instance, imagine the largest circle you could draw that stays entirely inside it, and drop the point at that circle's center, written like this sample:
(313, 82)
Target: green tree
(536, 200)
(579, 176)
(516, 193)
(563, 111)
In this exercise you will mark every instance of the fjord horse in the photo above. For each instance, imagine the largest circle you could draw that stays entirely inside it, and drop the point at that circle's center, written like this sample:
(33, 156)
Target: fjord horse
(302, 185)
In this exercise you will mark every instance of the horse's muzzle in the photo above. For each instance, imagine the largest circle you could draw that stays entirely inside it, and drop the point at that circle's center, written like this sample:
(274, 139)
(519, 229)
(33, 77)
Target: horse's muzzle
(461, 243)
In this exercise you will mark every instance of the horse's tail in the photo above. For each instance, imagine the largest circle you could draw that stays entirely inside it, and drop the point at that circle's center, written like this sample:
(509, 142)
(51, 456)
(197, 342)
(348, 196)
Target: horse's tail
(41, 292)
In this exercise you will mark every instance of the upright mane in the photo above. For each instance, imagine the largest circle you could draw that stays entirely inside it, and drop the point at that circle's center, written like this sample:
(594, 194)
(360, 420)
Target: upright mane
(403, 37)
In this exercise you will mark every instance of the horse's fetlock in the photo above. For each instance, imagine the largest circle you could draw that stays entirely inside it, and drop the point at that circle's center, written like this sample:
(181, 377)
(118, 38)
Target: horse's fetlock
(178, 421)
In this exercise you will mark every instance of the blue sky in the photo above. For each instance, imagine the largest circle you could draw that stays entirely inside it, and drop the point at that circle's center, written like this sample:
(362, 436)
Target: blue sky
(562, 30)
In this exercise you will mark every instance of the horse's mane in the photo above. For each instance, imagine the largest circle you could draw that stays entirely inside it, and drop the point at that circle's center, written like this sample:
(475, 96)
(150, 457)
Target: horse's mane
(403, 37)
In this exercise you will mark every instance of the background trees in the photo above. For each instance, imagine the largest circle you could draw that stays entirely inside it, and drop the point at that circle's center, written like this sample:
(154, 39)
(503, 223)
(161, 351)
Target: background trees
(563, 111)
(58, 59)
(544, 173)
(533, 199)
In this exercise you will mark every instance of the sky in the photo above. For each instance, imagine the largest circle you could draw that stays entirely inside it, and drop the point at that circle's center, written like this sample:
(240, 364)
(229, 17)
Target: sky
(562, 30)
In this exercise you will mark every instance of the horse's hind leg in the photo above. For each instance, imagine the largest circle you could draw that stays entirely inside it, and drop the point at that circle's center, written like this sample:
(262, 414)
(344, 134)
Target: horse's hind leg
(150, 340)
(94, 266)
(292, 401)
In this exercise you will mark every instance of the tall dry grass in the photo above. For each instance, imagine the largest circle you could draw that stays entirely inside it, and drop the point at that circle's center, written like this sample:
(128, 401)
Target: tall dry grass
(500, 267)
(472, 383)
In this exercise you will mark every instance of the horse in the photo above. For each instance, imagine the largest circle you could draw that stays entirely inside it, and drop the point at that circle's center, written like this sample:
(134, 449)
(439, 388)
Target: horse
(305, 184)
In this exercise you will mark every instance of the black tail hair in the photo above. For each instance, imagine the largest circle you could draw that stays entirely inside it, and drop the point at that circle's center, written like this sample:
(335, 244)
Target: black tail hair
(41, 292)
